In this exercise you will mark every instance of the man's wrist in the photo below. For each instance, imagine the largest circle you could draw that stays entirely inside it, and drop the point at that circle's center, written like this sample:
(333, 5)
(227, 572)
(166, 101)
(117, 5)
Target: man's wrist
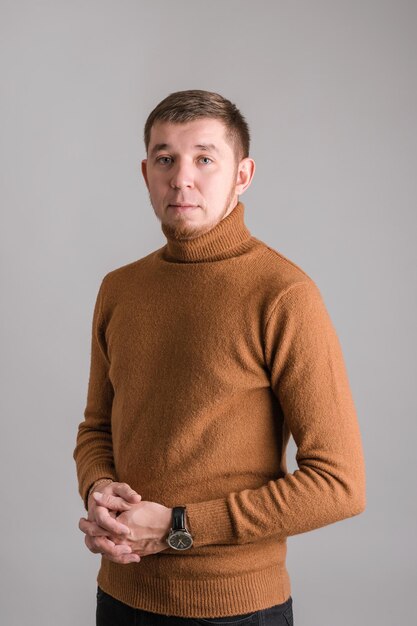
(99, 481)
(179, 536)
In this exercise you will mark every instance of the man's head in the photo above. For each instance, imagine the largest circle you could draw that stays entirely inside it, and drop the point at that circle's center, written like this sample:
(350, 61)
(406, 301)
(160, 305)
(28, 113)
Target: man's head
(197, 146)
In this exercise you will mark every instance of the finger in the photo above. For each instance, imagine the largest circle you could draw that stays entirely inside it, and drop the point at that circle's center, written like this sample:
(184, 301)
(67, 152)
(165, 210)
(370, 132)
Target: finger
(124, 559)
(94, 526)
(109, 523)
(111, 502)
(91, 546)
(117, 556)
(91, 528)
(126, 492)
(107, 548)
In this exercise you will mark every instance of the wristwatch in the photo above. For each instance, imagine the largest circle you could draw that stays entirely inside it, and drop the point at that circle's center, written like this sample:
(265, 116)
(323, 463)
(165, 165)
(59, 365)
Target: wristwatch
(179, 536)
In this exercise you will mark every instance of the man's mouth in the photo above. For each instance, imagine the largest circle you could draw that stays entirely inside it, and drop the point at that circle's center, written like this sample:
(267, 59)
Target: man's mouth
(183, 207)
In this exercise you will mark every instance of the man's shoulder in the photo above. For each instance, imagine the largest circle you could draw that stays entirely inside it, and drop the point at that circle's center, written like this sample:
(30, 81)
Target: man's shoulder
(124, 273)
(125, 276)
(280, 271)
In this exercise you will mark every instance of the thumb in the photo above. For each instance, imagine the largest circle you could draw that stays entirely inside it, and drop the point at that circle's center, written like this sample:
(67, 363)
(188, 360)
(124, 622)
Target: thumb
(109, 501)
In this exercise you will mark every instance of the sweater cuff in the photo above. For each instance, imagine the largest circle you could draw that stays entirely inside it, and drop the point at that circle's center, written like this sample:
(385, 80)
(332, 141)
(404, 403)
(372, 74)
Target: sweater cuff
(210, 523)
(88, 481)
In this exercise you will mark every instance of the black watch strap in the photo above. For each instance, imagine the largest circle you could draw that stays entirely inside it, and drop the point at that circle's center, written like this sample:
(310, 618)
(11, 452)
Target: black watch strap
(178, 518)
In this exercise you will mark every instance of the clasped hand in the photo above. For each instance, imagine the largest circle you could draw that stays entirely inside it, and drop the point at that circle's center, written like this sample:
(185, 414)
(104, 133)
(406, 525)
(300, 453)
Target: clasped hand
(122, 527)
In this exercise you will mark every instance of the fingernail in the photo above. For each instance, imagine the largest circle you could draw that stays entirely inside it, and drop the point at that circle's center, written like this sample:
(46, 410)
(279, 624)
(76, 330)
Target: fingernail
(98, 495)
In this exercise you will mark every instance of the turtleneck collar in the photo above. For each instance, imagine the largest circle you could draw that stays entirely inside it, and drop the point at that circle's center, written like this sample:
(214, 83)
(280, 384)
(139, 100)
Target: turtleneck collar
(226, 239)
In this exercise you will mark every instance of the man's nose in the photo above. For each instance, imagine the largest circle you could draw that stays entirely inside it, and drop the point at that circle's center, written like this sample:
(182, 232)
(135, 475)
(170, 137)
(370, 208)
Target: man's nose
(182, 176)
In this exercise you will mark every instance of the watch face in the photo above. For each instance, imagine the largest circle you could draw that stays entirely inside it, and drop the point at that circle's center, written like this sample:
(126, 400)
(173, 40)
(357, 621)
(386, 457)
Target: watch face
(180, 540)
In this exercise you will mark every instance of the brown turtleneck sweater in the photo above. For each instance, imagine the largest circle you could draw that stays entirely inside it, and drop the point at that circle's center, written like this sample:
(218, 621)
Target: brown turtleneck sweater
(206, 355)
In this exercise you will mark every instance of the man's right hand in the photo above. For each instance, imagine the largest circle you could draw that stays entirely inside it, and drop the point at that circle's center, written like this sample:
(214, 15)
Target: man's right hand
(103, 533)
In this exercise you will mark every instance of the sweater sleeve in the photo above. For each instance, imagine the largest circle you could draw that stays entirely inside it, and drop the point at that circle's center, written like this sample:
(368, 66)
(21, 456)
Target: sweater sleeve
(93, 453)
(309, 378)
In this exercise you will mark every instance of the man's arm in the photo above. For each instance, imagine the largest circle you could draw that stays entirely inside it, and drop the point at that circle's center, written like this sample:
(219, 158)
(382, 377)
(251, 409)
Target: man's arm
(308, 376)
(93, 453)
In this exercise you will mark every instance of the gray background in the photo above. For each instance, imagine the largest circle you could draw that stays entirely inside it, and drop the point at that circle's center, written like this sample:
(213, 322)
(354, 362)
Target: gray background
(329, 91)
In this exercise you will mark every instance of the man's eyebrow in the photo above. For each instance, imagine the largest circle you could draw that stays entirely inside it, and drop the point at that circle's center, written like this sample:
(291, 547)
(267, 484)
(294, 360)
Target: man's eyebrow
(200, 146)
(207, 146)
(159, 146)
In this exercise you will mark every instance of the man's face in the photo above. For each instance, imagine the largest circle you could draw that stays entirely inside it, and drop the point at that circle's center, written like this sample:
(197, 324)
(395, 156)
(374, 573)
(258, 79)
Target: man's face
(192, 175)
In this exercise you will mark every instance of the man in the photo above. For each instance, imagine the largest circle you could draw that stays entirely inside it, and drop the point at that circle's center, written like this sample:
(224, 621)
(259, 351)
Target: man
(206, 355)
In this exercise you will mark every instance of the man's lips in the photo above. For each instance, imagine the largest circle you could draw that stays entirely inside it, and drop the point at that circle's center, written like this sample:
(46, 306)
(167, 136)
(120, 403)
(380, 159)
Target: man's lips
(183, 207)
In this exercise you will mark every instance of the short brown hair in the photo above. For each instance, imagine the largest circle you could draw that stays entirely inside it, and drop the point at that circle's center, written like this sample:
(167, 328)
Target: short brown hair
(183, 106)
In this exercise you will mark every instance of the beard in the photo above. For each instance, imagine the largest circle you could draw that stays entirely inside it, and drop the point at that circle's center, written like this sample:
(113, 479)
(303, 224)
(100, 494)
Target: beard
(185, 230)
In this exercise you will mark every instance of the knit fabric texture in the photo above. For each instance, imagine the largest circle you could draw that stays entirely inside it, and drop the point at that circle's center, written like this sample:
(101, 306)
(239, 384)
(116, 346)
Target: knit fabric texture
(206, 355)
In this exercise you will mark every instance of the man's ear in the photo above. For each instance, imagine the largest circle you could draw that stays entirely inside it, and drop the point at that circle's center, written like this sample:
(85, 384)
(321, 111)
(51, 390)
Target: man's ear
(246, 171)
(144, 171)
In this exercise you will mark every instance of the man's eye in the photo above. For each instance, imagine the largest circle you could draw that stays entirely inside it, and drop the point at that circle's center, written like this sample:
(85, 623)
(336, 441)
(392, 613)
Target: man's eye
(164, 157)
(204, 157)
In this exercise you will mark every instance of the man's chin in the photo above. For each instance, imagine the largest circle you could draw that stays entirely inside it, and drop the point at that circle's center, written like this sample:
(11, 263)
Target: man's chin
(182, 231)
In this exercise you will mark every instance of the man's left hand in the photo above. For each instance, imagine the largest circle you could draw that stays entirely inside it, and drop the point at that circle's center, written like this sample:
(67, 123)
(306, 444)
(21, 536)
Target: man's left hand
(149, 524)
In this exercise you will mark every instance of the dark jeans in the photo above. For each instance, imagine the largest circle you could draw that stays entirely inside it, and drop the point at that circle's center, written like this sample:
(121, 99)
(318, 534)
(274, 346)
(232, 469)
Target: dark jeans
(112, 612)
